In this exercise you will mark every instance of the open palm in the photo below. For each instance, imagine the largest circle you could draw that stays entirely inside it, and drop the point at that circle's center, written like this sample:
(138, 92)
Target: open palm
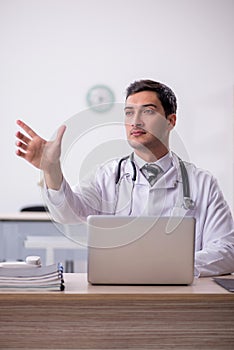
(36, 150)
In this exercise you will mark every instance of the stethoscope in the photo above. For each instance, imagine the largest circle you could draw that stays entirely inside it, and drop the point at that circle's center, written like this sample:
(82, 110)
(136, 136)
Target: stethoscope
(187, 203)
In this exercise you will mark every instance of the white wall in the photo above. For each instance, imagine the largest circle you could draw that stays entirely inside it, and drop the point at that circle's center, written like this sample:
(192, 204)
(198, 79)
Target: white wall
(52, 51)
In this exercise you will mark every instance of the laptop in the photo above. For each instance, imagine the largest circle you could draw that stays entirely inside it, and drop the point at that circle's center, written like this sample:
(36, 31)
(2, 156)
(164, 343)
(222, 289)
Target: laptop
(140, 250)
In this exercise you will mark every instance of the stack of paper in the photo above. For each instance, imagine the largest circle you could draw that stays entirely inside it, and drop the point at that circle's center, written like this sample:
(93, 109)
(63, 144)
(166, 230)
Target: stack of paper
(32, 277)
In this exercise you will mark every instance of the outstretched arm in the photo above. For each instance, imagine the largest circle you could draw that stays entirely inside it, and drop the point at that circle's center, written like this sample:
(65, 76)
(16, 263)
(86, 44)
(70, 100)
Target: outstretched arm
(44, 155)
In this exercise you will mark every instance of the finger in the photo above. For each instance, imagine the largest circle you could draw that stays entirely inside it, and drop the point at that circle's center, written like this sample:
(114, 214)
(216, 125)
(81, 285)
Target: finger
(26, 128)
(20, 153)
(21, 145)
(22, 137)
(60, 133)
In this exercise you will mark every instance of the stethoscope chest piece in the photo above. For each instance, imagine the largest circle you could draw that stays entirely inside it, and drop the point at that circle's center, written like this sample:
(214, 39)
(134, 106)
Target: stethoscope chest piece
(188, 203)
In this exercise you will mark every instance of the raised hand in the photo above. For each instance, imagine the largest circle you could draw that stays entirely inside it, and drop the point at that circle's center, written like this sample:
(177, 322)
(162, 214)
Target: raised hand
(44, 155)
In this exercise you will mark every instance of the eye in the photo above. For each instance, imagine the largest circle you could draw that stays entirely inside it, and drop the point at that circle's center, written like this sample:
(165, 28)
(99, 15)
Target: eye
(129, 113)
(149, 111)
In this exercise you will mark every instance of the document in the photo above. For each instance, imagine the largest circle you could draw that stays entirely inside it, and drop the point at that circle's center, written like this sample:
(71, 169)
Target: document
(27, 277)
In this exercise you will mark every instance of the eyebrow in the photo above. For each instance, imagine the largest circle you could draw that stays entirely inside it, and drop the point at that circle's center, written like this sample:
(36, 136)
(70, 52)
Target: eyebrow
(146, 105)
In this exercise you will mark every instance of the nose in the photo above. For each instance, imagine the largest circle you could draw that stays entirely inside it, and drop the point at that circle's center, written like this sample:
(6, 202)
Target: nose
(137, 119)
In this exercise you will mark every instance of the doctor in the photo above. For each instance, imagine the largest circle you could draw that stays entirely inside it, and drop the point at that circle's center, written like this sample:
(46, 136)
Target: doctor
(131, 186)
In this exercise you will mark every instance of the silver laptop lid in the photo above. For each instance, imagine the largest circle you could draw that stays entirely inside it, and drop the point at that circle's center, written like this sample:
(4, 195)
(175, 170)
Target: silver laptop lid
(140, 250)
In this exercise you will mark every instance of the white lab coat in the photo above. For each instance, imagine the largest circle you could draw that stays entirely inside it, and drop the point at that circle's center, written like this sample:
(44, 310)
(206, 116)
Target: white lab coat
(100, 195)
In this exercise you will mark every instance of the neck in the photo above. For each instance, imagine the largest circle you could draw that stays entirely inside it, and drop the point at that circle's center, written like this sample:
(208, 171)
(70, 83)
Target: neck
(151, 156)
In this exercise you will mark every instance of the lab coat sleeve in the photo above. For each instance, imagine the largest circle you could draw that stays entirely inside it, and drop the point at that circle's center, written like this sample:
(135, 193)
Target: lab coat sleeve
(72, 205)
(216, 256)
(93, 196)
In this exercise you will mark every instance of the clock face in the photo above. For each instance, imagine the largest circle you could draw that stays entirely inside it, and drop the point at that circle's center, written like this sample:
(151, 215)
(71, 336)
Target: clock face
(100, 98)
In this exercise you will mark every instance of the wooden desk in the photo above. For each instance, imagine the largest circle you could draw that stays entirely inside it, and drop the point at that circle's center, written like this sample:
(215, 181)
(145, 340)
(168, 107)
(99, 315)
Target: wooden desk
(200, 316)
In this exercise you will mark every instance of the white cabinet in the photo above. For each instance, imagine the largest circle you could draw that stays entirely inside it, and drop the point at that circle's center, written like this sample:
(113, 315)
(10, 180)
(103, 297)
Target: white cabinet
(26, 234)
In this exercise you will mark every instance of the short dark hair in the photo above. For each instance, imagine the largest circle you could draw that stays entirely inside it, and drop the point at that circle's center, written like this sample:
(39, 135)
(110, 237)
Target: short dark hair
(164, 93)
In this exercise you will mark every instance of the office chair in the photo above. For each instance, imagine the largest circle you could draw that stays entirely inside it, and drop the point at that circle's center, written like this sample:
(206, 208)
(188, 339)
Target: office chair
(37, 208)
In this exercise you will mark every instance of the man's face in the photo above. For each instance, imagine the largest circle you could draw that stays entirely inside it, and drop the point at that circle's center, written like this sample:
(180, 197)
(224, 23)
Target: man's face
(145, 121)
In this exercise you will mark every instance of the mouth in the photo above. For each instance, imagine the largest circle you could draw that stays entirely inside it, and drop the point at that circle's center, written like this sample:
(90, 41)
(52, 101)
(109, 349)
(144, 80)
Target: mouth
(137, 132)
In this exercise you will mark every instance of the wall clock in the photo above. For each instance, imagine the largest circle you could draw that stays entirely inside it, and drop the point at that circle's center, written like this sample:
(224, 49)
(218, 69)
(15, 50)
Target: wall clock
(100, 98)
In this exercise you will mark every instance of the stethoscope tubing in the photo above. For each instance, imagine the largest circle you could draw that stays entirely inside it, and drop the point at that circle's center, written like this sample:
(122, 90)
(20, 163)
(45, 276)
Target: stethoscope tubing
(188, 203)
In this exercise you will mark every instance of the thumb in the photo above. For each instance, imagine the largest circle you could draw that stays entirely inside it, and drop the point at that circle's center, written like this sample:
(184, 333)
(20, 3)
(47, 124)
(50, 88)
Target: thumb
(60, 134)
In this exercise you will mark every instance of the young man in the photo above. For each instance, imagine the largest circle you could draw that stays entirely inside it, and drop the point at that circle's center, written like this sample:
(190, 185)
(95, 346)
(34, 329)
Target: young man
(131, 187)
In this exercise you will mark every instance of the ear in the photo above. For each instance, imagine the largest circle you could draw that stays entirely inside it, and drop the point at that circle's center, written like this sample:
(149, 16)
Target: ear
(171, 120)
